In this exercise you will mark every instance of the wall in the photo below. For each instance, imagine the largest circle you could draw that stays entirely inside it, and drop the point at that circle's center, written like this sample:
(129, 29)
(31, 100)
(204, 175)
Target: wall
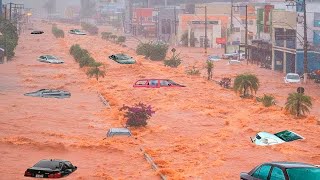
(313, 61)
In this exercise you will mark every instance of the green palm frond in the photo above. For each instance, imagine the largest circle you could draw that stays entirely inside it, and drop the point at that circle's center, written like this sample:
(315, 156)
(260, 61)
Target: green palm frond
(245, 83)
(298, 104)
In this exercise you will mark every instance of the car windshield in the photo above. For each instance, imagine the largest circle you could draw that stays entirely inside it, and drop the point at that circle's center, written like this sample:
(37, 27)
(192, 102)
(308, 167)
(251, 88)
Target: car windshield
(173, 83)
(258, 137)
(214, 57)
(51, 57)
(287, 136)
(47, 164)
(304, 173)
(123, 56)
(293, 76)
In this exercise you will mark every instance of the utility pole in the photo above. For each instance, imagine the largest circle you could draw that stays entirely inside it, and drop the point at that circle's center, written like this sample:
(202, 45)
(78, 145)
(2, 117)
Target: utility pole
(10, 6)
(305, 40)
(175, 26)
(246, 36)
(206, 31)
(246, 33)
(305, 37)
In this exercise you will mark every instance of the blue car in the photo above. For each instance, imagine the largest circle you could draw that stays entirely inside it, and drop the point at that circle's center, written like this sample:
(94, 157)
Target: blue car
(283, 171)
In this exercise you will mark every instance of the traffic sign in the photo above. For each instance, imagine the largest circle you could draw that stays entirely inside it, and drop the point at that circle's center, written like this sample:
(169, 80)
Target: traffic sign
(300, 90)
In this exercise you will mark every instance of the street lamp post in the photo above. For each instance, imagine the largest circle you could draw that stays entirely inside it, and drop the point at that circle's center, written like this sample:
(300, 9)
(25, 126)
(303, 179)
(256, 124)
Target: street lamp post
(305, 37)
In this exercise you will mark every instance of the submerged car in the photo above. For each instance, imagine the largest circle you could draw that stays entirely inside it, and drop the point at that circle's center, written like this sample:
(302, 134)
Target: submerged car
(52, 168)
(234, 62)
(265, 139)
(77, 32)
(283, 171)
(37, 32)
(50, 59)
(156, 83)
(292, 78)
(49, 93)
(122, 59)
(214, 58)
(118, 132)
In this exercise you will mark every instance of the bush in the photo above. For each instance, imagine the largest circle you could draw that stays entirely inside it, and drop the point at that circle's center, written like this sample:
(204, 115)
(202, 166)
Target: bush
(144, 49)
(58, 33)
(193, 71)
(121, 39)
(91, 29)
(174, 61)
(138, 114)
(267, 100)
(106, 35)
(82, 56)
(9, 38)
(155, 51)
(113, 37)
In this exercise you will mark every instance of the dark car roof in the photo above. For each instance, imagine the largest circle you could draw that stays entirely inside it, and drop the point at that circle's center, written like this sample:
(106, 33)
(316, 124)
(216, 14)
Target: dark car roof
(289, 165)
(153, 79)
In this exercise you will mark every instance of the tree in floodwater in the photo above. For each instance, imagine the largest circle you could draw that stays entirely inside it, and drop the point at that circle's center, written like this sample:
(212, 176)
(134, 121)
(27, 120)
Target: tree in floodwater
(95, 71)
(209, 67)
(246, 83)
(9, 37)
(298, 104)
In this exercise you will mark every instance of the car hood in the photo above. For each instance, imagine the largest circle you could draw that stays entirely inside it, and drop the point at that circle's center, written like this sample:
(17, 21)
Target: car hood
(293, 80)
(266, 139)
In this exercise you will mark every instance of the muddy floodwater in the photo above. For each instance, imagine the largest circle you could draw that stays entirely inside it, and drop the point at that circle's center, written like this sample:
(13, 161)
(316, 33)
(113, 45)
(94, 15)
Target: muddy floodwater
(201, 131)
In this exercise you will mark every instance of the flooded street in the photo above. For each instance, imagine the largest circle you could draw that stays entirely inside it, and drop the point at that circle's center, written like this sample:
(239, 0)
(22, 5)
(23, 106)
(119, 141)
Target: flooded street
(201, 131)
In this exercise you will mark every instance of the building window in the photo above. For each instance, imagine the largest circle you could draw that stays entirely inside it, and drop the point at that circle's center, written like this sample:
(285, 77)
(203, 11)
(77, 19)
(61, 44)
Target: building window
(316, 38)
(149, 19)
(279, 36)
(316, 19)
(236, 29)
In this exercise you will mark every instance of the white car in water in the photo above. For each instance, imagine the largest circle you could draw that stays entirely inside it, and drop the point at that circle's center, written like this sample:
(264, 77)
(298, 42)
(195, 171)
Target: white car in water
(234, 62)
(76, 32)
(292, 78)
(50, 59)
(265, 139)
(214, 58)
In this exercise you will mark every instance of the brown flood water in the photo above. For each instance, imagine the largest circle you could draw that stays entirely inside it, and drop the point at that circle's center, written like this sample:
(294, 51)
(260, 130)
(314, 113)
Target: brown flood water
(198, 132)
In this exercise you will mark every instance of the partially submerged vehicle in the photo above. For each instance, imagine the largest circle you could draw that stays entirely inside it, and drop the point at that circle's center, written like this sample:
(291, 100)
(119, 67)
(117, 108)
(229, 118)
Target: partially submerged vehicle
(77, 32)
(265, 139)
(122, 59)
(292, 78)
(214, 58)
(49, 93)
(156, 83)
(118, 132)
(37, 32)
(52, 168)
(50, 59)
(283, 171)
(234, 62)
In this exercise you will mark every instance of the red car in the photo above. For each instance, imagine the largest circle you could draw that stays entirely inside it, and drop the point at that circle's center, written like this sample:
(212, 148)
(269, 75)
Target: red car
(156, 83)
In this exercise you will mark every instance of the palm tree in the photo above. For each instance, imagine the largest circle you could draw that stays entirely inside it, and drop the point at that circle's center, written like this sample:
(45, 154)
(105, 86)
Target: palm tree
(298, 104)
(95, 71)
(245, 83)
(209, 67)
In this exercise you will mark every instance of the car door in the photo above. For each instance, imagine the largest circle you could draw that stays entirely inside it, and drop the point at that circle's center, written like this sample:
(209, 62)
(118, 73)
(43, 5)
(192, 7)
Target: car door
(277, 174)
(262, 173)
